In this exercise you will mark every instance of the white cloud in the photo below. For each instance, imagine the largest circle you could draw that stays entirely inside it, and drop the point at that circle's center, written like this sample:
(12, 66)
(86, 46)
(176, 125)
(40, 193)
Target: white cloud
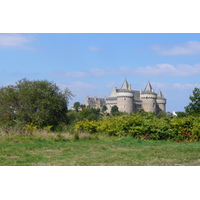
(15, 40)
(94, 48)
(77, 74)
(155, 70)
(168, 70)
(97, 72)
(174, 86)
(111, 84)
(80, 86)
(165, 69)
(184, 87)
(80, 90)
(188, 48)
(82, 74)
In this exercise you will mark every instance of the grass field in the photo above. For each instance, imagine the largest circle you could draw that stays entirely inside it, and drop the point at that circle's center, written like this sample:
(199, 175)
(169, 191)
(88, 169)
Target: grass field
(57, 150)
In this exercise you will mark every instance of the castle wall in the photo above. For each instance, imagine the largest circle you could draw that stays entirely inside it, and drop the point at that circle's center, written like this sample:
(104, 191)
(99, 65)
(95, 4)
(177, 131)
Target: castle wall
(161, 104)
(110, 102)
(137, 106)
(125, 102)
(137, 95)
(148, 102)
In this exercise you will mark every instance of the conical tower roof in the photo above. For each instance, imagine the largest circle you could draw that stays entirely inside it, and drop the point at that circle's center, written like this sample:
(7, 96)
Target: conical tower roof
(160, 95)
(125, 85)
(148, 88)
(113, 93)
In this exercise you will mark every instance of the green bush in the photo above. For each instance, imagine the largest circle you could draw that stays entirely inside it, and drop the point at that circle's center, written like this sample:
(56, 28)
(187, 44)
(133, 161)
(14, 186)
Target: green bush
(145, 127)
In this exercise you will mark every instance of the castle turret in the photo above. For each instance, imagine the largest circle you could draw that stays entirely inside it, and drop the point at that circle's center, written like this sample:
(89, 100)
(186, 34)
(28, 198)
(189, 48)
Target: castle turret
(125, 98)
(111, 100)
(148, 98)
(161, 102)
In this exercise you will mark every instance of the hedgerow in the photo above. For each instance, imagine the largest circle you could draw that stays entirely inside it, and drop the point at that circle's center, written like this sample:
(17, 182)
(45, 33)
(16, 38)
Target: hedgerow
(145, 127)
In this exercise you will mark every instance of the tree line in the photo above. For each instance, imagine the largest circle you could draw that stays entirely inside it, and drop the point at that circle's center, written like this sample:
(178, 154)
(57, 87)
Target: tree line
(41, 103)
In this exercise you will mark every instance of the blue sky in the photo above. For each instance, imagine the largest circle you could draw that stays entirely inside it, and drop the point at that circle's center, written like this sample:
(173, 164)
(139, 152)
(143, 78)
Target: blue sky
(91, 64)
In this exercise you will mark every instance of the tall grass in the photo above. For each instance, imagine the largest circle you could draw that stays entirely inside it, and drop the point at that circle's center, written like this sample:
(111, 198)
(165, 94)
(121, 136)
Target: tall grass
(62, 149)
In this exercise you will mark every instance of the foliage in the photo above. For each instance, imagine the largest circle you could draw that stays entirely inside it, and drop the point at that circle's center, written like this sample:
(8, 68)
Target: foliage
(104, 109)
(143, 113)
(114, 110)
(30, 128)
(145, 127)
(90, 114)
(40, 103)
(77, 106)
(47, 128)
(161, 114)
(194, 106)
(181, 114)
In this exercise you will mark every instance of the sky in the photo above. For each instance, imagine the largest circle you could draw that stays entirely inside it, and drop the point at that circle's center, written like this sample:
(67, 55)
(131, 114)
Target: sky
(91, 64)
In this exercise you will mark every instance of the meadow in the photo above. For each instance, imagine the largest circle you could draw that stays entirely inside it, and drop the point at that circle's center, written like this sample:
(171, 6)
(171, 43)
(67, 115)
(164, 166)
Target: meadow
(62, 149)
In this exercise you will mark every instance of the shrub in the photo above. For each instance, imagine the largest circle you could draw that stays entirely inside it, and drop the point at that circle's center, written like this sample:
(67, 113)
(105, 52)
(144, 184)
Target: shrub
(145, 127)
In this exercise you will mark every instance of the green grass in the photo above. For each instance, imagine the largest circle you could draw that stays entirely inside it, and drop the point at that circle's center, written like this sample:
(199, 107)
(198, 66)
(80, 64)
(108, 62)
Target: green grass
(56, 150)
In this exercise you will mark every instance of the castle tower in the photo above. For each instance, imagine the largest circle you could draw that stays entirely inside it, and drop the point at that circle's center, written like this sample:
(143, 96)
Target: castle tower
(125, 98)
(111, 100)
(148, 98)
(161, 102)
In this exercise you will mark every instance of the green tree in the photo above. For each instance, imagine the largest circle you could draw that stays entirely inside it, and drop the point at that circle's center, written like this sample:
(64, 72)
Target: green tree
(194, 106)
(77, 106)
(41, 103)
(90, 113)
(104, 108)
(161, 114)
(142, 113)
(181, 114)
(114, 110)
(82, 106)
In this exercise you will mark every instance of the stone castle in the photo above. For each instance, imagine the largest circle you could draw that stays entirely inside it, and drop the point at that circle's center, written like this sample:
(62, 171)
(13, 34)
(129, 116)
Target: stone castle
(128, 100)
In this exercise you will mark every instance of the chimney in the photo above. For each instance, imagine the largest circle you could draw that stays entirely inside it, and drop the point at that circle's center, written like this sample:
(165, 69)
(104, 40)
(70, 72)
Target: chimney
(129, 87)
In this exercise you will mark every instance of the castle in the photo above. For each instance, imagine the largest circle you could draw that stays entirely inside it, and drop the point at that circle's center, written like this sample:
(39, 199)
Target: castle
(128, 100)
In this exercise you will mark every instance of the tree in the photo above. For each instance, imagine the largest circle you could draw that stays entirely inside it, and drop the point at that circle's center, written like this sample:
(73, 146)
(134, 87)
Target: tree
(104, 109)
(82, 106)
(161, 114)
(41, 103)
(181, 114)
(77, 106)
(194, 106)
(114, 110)
(90, 113)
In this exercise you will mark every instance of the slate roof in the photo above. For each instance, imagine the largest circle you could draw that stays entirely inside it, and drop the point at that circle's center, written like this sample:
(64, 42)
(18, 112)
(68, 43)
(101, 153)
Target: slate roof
(125, 85)
(148, 87)
(113, 93)
(160, 95)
